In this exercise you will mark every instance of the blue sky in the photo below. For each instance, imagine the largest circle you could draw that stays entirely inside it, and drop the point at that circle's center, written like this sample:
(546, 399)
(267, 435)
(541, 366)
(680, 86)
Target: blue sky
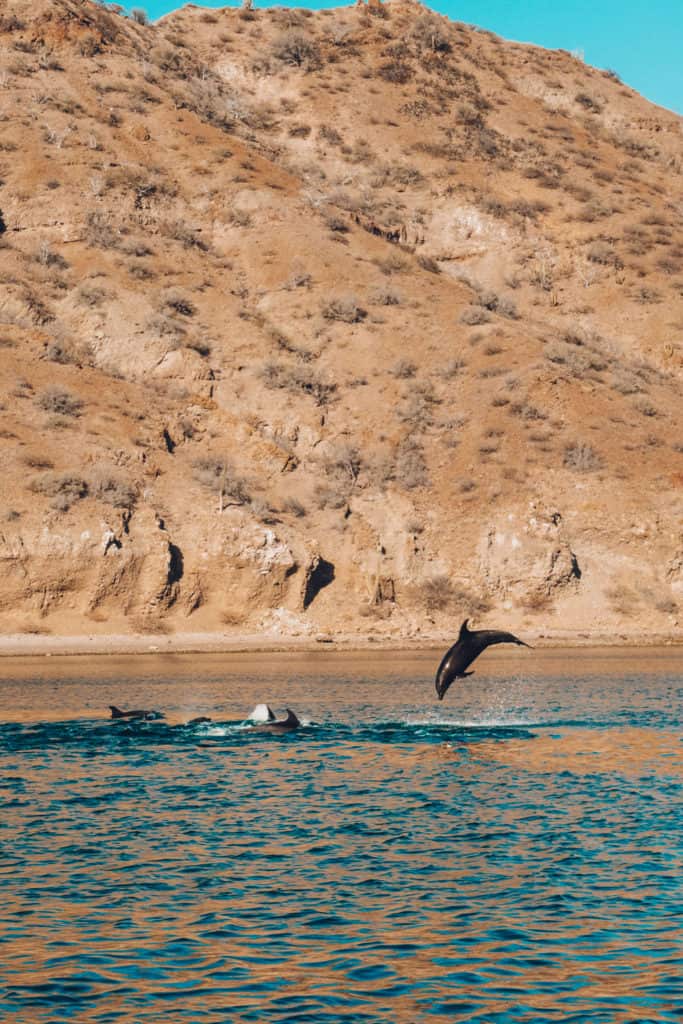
(642, 40)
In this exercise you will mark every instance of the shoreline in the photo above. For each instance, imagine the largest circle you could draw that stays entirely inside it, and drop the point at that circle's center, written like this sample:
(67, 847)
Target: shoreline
(22, 645)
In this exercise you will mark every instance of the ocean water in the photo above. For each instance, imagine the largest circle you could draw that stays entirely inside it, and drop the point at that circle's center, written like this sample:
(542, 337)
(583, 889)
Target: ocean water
(511, 854)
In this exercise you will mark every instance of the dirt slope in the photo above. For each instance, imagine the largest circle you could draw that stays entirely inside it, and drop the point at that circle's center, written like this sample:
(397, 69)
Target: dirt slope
(352, 321)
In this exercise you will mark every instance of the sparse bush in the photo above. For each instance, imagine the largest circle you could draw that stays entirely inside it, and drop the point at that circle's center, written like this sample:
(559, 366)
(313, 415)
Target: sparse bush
(297, 49)
(474, 315)
(393, 264)
(345, 461)
(453, 367)
(345, 308)
(336, 223)
(38, 461)
(437, 593)
(299, 131)
(330, 135)
(385, 296)
(91, 296)
(218, 474)
(297, 379)
(99, 233)
(64, 489)
(49, 258)
(429, 264)
(140, 16)
(582, 458)
(603, 253)
(428, 34)
(57, 400)
(178, 303)
(186, 236)
(299, 278)
(588, 102)
(645, 406)
(240, 218)
(404, 369)
(112, 489)
(396, 71)
(500, 304)
(60, 351)
(293, 507)
(410, 467)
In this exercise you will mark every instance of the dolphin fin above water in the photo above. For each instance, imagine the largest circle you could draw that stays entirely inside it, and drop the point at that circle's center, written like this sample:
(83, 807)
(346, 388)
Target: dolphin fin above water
(280, 725)
(139, 714)
(262, 713)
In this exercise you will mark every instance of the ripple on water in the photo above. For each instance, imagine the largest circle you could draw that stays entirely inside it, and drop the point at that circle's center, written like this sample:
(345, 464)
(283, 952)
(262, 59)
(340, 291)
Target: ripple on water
(505, 863)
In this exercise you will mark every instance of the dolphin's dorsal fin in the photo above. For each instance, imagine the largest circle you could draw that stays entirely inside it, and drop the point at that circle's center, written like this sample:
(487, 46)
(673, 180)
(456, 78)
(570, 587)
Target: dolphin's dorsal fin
(463, 630)
(116, 712)
(291, 718)
(262, 713)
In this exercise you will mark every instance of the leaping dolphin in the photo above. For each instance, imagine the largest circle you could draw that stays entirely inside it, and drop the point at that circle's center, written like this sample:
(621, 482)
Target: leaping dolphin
(468, 646)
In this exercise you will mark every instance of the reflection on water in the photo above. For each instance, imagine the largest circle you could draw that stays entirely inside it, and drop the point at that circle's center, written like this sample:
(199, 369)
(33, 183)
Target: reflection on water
(508, 855)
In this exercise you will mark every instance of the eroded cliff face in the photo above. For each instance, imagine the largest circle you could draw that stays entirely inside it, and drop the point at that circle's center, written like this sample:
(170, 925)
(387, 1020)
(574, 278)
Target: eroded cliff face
(347, 323)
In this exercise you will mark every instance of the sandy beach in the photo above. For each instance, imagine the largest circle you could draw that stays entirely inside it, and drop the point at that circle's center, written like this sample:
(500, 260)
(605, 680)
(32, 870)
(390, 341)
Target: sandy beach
(31, 644)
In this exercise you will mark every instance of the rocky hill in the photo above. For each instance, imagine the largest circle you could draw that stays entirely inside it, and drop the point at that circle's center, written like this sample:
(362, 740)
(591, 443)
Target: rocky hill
(345, 322)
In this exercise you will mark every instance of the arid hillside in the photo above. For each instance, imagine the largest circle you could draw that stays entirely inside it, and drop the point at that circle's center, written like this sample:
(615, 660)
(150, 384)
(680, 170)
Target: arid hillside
(338, 323)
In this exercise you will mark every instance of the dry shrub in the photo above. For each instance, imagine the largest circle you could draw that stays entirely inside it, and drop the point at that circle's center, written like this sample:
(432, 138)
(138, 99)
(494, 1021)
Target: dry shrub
(297, 49)
(429, 264)
(474, 315)
(582, 458)
(428, 33)
(536, 601)
(404, 369)
(184, 234)
(345, 308)
(178, 303)
(439, 593)
(393, 264)
(298, 278)
(61, 351)
(218, 474)
(395, 71)
(63, 488)
(297, 379)
(386, 296)
(644, 406)
(623, 599)
(604, 254)
(59, 401)
(112, 489)
(293, 507)
(410, 467)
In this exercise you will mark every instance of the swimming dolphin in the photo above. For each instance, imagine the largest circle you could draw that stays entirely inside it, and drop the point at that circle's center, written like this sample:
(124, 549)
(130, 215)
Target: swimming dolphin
(280, 725)
(468, 646)
(147, 716)
(200, 720)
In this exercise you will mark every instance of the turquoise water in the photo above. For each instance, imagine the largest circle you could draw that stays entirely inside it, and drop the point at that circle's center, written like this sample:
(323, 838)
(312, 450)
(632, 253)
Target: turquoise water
(512, 854)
